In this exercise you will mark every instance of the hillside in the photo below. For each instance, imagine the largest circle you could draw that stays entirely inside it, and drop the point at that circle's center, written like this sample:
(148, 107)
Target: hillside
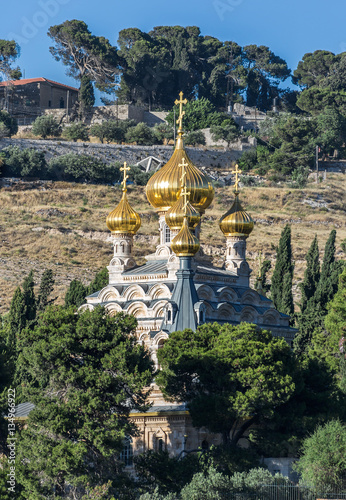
(62, 226)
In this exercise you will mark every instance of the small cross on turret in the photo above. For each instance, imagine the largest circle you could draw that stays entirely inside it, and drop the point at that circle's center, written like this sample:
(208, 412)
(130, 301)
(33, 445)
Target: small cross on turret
(125, 169)
(181, 112)
(237, 171)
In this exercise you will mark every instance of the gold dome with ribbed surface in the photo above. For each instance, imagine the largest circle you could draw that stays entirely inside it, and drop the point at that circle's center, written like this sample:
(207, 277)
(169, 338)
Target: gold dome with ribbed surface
(163, 187)
(124, 219)
(185, 244)
(236, 222)
(182, 208)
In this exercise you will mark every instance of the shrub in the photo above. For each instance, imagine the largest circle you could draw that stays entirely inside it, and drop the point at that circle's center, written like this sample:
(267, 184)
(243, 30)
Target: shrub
(76, 131)
(141, 134)
(195, 138)
(8, 124)
(228, 131)
(23, 162)
(163, 132)
(200, 113)
(300, 176)
(83, 168)
(138, 176)
(46, 125)
(248, 160)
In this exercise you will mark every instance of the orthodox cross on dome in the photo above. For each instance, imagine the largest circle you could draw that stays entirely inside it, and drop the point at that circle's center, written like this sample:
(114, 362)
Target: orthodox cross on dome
(237, 171)
(181, 112)
(125, 169)
(183, 164)
(185, 193)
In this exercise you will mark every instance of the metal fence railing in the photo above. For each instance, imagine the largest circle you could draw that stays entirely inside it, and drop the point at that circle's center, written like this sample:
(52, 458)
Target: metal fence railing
(288, 492)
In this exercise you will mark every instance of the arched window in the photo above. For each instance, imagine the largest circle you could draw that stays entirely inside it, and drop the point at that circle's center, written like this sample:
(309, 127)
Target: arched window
(201, 316)
(169, 315)
(126, 455)
(167, 234)
(205, 445)
(160, 445)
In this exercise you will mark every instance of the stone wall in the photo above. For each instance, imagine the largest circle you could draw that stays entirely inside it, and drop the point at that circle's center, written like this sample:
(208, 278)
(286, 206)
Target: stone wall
(202, 157)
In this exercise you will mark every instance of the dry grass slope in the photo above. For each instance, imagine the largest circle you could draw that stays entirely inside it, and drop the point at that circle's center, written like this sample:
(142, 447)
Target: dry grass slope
(62, 226)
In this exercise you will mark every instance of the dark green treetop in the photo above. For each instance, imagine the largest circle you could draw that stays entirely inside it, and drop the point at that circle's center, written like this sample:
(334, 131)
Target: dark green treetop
(230, 376)
(311, 275)
(84, 53)
(281, 286)
(84, 373)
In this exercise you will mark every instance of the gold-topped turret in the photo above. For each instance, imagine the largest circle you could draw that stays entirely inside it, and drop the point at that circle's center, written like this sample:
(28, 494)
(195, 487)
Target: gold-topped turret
(182, 208)
(236, 222)
(124, 219)
(163, 188)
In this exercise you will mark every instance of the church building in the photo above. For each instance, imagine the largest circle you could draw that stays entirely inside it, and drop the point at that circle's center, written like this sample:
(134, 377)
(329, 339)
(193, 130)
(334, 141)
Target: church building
(178, 287)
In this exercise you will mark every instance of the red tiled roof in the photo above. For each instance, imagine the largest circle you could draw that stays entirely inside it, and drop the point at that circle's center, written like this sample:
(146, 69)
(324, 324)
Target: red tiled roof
(33, 80)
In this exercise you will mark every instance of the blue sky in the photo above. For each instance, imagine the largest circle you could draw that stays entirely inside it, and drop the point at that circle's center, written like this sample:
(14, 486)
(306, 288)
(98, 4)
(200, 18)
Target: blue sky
(290, 28)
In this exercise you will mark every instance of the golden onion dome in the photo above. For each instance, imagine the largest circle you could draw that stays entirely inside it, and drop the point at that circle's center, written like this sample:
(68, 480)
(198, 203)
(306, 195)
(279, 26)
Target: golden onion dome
(185, 244)
(236, 222)
(175, 215)
(123, 219)
(163, 188)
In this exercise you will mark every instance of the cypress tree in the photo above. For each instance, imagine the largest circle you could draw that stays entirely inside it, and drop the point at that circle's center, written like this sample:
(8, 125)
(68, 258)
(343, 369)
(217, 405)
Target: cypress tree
(281, 287)
(46, 288)
(261, 282)
(287, 305)
(311, 276)
(29, 297)
(100, 281)
(86, 94)
(76, 293)
(16, 318)
(328, 284)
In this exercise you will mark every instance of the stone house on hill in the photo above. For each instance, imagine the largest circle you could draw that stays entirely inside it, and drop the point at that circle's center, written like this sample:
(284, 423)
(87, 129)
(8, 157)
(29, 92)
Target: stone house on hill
(28, 98)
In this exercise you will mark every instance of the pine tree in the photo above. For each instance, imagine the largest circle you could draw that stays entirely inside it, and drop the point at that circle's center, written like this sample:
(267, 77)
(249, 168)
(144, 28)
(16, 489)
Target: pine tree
(283, 267)
(82, 407)
(46, 288)
(29, 297)
(75, 295)
(311, 276)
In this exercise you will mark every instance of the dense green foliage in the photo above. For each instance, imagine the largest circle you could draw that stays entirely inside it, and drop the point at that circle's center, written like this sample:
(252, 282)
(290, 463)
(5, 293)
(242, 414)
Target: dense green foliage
(9, 52)
(141, 134)
(323, 457)
(8, 124)
(195, 138)
(82, 168)
(281, 286)
(159, 64)
(230, 376)
(315, 308)
(76, 131)
(25, 162)
(86, 94)
(82, 405)
(84, 54)
(46, 125)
